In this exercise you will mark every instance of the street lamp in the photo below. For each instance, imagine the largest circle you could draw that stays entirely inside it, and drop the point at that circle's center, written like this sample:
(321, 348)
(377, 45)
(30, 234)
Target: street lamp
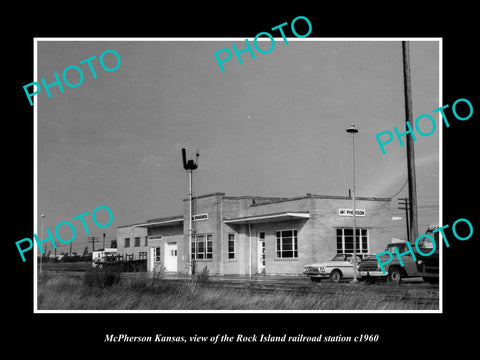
(353, 130)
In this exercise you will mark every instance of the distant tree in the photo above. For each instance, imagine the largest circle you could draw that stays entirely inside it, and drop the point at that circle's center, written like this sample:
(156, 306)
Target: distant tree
(85, 251)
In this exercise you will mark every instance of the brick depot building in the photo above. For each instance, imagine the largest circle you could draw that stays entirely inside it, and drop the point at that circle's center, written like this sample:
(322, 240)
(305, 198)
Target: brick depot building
(247, 235)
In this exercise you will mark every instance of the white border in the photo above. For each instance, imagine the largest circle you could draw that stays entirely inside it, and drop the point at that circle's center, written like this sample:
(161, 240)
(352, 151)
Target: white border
(35, 177)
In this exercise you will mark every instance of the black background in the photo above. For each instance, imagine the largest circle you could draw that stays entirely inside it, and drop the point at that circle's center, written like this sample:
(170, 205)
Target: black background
(408, 333)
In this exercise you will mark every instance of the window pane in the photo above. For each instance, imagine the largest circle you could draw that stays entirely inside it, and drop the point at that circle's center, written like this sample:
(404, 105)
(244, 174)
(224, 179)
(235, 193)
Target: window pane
(339, 232)
(286, 233)
(287, 254)
(348, 241)
(348, 232)
(339, 245)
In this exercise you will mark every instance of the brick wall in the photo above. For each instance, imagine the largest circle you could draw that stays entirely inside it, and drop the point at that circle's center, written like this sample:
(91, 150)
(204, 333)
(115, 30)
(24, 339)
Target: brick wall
(131, 232)
(317, 236)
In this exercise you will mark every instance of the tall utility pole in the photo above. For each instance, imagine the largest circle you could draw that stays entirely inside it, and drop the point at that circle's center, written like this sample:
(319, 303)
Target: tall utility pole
(190, 165)
(406, 208)
(412, 187)
(353, 130)
(93, 240)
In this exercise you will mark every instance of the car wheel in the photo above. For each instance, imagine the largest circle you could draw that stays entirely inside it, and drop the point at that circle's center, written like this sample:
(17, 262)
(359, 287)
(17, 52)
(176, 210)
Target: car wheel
(315, 279)
(394, 275)
(335, 276)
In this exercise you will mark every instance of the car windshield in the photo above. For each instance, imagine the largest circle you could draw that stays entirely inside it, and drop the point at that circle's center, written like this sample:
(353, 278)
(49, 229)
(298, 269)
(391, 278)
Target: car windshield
(339, 257)
(425, 243)
(343, 257)
(370, 257)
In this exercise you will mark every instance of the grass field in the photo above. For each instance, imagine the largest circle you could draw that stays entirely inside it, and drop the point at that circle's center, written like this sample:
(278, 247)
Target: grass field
(57, 291)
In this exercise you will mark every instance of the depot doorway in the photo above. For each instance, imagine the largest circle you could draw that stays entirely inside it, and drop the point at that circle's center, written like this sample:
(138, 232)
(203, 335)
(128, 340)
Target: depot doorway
(261, 252)
(171, 257)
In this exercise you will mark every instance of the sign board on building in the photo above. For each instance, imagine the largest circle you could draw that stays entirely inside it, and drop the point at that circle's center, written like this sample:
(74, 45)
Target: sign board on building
(349, 212)
(199, 217)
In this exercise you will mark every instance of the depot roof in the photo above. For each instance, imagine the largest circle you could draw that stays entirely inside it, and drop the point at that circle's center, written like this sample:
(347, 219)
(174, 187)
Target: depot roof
(167, 221)
(282, 216)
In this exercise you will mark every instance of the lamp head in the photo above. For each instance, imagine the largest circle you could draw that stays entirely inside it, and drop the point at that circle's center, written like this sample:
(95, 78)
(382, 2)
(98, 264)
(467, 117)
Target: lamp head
(352, 129)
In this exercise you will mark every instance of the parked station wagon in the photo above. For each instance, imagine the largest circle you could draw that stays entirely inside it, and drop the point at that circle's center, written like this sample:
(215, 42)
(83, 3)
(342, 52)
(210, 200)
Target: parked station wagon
(339, 268)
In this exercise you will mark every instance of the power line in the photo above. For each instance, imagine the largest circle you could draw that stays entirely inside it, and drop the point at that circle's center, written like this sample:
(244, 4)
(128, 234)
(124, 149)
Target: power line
(406, 181)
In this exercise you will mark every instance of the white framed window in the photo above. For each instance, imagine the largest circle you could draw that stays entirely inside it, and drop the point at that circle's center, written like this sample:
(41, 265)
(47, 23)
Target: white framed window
(209, 252)
(345, 240)
(286, 244)
(202, 247)
(231, 246)
(127, 242)
(137, 242)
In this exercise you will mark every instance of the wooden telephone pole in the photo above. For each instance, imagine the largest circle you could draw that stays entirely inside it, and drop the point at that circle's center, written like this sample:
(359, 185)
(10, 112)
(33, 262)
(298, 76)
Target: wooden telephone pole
(93, 240)
(406, 208)
(412, 187)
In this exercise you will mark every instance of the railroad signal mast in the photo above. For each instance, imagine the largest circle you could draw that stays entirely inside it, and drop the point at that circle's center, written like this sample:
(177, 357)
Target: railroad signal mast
(189, 166)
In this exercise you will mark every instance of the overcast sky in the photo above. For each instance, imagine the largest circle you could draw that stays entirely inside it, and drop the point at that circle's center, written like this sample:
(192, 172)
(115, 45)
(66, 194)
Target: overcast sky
(272, 126)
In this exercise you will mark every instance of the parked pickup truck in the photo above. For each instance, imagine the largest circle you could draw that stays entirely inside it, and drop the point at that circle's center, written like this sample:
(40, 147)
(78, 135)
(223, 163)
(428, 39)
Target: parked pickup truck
(426, 267)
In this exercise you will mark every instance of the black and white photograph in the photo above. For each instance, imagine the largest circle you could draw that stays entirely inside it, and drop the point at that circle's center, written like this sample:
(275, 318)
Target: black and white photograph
(259, 157)
(216, 179)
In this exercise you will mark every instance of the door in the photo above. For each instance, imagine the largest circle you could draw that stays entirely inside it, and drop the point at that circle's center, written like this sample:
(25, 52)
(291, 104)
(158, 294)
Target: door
(261, 252)
(171, 257)
(155, 256)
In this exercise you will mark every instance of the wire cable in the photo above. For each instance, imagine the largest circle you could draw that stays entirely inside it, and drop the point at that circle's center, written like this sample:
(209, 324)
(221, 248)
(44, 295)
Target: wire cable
(398, 192)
